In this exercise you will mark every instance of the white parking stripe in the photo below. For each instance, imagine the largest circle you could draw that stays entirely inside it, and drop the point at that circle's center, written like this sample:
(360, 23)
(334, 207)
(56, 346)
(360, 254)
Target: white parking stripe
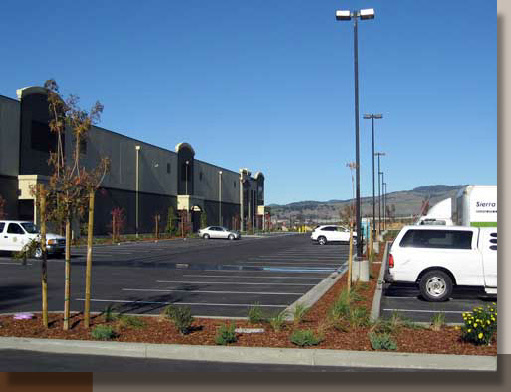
(18, 264)
(258, 271)
(302, 257)
(234, 283)
(215, 292)
(266, 268)
(426, 311)
(248, 277)
(282, 263)
(179, 303)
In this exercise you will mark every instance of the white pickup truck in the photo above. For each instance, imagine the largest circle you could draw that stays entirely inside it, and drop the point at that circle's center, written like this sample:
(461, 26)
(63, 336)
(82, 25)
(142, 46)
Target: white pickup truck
(440, 257)
(14, 235)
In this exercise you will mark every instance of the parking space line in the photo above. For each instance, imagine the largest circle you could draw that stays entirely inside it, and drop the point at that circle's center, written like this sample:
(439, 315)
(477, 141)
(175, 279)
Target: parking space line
(249, 277)
(240, 270)
(277, 262)
(426, 311)
(303, 270)
(234, 283)
(18, 264)
(215, 291)
(179, 303)
(283, 269)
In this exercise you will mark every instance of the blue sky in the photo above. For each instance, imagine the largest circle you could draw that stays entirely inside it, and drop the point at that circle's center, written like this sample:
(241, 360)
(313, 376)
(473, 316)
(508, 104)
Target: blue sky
(269, 85)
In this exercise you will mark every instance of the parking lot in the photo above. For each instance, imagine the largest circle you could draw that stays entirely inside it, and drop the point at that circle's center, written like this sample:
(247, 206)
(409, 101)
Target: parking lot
(213, 277)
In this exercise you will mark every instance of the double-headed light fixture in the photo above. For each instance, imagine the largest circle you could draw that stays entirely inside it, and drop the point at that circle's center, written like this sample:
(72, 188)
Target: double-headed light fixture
(344, 15)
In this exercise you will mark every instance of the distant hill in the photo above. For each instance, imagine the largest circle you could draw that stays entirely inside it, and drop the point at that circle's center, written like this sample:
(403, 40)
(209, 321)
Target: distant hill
(406, 203)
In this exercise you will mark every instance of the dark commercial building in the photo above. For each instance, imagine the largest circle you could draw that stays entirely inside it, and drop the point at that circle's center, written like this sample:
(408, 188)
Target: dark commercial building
(144, 180)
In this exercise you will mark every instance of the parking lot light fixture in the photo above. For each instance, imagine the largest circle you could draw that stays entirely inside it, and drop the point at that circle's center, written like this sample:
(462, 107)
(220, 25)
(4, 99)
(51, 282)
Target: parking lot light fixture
(220, 197)
(137, 149)
(372, 117)
(343, 15)
(379, 154)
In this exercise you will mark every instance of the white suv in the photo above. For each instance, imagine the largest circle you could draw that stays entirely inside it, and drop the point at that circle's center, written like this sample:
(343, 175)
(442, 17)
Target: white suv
(332, 233)
(437, 258)
(16, 234)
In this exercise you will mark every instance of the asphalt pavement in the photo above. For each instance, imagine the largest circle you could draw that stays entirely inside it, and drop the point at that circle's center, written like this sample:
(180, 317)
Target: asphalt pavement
(218, 278)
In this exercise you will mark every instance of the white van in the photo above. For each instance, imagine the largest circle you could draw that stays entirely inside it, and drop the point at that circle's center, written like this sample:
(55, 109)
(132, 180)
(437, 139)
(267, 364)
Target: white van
(16, 234)
(437, 258)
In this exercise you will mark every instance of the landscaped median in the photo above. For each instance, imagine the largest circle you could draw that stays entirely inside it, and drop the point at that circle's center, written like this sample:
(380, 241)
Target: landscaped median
(337, 330)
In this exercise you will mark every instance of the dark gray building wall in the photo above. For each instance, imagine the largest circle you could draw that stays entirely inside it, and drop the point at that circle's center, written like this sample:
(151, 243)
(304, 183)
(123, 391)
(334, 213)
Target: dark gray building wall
(150, 204)
(9, 136)
(36, 140)
(229, 210)
(8, 190)
(185, 173)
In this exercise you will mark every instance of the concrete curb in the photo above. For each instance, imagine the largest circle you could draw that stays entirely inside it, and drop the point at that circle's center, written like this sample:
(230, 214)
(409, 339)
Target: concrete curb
(282, 356)
(375, 309)
(314, 294)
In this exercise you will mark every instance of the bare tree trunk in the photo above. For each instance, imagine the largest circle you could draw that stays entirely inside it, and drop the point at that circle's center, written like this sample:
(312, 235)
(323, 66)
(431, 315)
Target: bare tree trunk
(67, 290)
(44, 265)
(88, 271)
(114, 229)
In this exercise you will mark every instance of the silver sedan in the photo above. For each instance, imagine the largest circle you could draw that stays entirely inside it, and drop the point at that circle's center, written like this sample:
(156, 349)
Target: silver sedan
(219, 232)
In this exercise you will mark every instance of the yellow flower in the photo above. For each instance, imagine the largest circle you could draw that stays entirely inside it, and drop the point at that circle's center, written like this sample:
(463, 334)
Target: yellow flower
(470, 321)
(480, 336)
(469, 330)
(488, 321)
(475, 325)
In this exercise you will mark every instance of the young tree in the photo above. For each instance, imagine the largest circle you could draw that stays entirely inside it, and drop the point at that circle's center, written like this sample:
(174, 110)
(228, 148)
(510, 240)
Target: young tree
(203, 220)
(171, 220)
(71, 187)
(2, 208)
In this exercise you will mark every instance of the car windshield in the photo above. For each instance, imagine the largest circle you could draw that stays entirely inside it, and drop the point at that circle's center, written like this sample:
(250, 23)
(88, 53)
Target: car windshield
(30, 228)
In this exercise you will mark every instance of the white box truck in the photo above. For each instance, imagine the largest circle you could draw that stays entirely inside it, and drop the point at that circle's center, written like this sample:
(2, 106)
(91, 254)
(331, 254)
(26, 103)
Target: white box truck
(475, 205)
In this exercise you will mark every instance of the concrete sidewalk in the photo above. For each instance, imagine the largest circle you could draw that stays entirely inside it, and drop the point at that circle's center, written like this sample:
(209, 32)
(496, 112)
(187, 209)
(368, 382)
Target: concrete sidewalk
(281, 356)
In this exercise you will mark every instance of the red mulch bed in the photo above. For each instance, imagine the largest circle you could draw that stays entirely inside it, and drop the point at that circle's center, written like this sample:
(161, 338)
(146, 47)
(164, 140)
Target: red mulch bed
(161, 330)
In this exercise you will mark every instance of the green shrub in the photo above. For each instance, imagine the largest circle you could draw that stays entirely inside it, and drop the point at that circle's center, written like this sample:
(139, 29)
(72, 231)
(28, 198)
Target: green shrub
(299, 313)
(437, 321)
(255, 314)
(103, 332)
(226, 334)
(108, 313)
(480, 324)
(305, 337)
(382, 341)
(277, 322)
(181, 316)
(131, 321)
(359, 317)
(339, 309)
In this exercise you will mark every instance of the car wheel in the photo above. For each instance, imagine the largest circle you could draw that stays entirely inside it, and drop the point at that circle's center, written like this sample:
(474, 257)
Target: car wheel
(38, 253)
(322, 240)
(206, 236)
(231, 236)
(435, 286)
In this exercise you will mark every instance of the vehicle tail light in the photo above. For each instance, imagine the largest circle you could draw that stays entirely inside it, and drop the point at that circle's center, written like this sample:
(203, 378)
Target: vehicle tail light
(391, 261)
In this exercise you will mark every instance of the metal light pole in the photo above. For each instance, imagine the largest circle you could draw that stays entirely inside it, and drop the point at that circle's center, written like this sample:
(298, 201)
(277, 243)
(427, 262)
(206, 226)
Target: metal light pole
(220, 197)
(186, 176)
(348, 15)
(372, 117)
(137, 149)
(379, 154)
(384, 187)
(383, 199)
